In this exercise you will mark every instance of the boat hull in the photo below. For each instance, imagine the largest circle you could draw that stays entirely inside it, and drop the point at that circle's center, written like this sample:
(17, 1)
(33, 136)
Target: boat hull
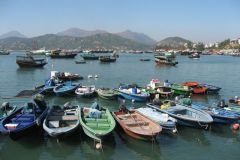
(27, 65)
(63, 56)
(133, 97)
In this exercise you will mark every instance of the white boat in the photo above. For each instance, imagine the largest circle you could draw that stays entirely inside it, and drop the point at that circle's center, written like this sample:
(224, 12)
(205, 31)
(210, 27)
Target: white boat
(164, 120)
(40, 51)
(85, 91)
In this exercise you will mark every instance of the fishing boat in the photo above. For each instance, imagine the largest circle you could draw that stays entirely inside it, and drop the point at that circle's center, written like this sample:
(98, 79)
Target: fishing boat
(196, 88)
(107, 93)
(185, 116)
(62, 121)
(29, 61)
(133, 93)
(80, 62)
(194, 55)
(137, 125)
(25, 119)
(165, 58)
(67, 76)
(105, 59)
(219, 115)
(67, 88)
(211, 88)
(96, 122)
(48, 87)
(85, 91)
(90, 56)
(145, 59)
(234, 100)
(181, 90)
(4, 52)
(41, 51)
(6, 110)
(62, 54)
(167, 122)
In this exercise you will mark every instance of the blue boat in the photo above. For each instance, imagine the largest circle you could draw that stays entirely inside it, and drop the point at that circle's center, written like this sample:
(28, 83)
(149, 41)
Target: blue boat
(133, 93)
(219, 115)
(67, 88)
(211, 88)
(48, 87)
(25, 119)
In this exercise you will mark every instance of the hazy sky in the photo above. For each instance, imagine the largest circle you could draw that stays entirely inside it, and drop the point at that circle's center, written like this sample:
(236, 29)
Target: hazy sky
(197, 20)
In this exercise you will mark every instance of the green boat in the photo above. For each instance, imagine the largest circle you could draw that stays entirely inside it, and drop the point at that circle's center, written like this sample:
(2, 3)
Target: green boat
(233, 108)
(181, 90)
(97, 122)
(107, 93)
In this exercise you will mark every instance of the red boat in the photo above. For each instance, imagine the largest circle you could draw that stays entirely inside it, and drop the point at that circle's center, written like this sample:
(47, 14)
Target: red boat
(190, 84)
(137, 125)
(199, 90)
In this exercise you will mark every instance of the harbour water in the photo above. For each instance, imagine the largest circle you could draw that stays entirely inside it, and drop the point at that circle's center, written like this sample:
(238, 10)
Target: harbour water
(220, 142)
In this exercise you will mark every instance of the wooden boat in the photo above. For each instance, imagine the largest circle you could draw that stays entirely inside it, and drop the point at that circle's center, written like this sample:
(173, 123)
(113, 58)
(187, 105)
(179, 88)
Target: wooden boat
(66, 76)
(62, 121)
(66, 88)
(167, 122)
(96, 122)
(190, 84)
(165, 58)
(29, 61)
(6, 110)
(90, 56)
(185, 115)
(48, 87)
(85, 91)
(137, 125)
(181, 90)
(133, 93)
(107, 93)
(25, 119)
(62, 54)
(107, 59)
(196, 88)
(219, 115)
(211, 88)
(4, 52)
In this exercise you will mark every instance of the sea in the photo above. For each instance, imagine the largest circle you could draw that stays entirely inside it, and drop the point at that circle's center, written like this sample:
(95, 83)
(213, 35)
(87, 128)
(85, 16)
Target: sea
(220, 142)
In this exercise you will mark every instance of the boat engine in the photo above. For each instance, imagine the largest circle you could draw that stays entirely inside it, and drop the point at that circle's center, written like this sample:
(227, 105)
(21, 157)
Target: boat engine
(222, 104)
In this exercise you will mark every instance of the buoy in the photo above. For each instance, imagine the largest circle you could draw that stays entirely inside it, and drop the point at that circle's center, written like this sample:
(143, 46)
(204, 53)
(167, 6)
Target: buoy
(90, 76)
(98, 146)
(235, 126)
(96, 76)
(174, 130)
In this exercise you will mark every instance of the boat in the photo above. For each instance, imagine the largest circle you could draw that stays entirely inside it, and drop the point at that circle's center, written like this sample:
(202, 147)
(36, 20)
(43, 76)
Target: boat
(165, 58)
(80, 62)
(234, 100)
(137, 125)
(196, 88)
(6, 110)
(62, 54)
(29, 61)
(145, 59)
(85, 91)
(167, 122)
(96, 122)
(62, 121)
(107, 93)
(90, 56)
(219, 115)
(185, 116)
(66, 88)
(233, 108)
(41, 51)
(67, 76)
(181, 90)
(211, 88)
(105, 59)
(194, 55)
(25, 119)
(133, 93)
(4, 52)
(48, 87)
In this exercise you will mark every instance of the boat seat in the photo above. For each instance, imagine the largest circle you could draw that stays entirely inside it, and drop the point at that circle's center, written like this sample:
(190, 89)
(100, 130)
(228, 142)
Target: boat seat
(96, 120)
(137, 123)
(65, 118)
(97, 125)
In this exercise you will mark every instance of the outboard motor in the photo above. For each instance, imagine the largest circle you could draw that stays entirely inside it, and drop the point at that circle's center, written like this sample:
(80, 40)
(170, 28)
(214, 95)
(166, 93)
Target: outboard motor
(122, 107)
(40, 102)
(221, 104)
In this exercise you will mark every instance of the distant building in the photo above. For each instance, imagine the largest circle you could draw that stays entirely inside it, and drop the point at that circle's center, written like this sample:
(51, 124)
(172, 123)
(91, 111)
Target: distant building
(235, 41)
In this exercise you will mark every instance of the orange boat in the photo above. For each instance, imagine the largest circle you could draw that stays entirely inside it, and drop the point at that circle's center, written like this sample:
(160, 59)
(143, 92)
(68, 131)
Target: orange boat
(190, 84)
(137, 125)
(199, 90)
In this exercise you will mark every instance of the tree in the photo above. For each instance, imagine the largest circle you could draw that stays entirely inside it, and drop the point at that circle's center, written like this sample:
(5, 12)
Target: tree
(190, 45)
(200, 46)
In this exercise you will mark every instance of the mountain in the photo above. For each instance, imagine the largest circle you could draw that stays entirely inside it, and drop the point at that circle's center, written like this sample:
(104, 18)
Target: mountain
(138, 37)
(172, 43)
(12, 34)
(51, 41)
(76, 32)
